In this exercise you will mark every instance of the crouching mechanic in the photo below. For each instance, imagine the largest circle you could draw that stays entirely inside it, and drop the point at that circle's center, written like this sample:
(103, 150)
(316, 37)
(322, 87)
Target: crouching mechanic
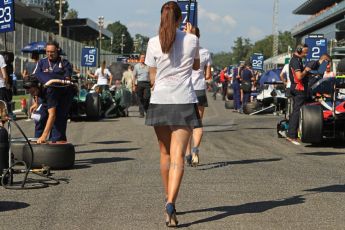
(52, 103)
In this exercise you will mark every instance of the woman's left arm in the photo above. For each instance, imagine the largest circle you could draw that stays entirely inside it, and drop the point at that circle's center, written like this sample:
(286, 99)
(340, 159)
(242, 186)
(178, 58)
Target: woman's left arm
(208, 74)
(110, 79)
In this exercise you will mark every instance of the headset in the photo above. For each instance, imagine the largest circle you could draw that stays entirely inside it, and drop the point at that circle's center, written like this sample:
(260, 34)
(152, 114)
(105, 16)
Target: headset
(299, 48)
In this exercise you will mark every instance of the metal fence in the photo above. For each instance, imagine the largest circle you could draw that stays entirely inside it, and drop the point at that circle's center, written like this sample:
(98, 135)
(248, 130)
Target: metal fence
(23, 35)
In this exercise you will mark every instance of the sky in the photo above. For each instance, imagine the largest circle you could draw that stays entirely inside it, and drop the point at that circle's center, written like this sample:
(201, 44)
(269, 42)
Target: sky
(220, 21)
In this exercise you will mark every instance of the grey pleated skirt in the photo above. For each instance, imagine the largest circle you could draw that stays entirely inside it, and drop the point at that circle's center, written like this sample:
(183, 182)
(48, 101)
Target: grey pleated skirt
(173, 115)
(202, 98)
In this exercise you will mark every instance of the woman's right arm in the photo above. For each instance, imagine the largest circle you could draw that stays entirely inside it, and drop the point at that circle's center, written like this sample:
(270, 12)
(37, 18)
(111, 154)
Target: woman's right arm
(196, 64)
(153, 72)
(91, 75)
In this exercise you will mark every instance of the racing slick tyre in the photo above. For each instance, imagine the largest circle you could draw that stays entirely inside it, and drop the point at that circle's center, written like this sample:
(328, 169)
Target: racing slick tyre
(56, 156)
(229, 104)
(251, 107)
(93, 106)
(311, 124)
(230, 93)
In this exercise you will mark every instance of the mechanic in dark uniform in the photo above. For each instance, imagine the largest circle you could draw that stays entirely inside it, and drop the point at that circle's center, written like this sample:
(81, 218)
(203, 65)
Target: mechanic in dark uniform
(236, 87)
(54, 102)
(299, 82)
(247, 77)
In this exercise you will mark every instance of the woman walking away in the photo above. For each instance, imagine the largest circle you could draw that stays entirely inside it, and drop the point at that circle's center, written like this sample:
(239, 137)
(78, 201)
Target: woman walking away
(198, 78)
(103, 76)
(171, 57)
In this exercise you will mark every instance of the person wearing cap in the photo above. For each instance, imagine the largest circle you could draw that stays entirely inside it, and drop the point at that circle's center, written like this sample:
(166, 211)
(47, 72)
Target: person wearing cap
(52, 107)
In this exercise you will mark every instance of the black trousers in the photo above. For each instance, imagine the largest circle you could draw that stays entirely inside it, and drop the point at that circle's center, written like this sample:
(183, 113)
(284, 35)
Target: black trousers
(298, 101)
(224, 89)
(6, 96)
(144, 94)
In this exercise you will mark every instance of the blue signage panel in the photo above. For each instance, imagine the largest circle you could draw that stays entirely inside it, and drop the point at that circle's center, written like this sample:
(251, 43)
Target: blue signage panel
(122, 59)
(89, 57)
(193, 13)
(317, 47)
(6, 16)
(258, 61)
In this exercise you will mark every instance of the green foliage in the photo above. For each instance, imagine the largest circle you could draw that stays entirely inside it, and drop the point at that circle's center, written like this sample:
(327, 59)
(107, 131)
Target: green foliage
(222, 60)
(286, 40)
(72, 14)
(264, 46)
(118, 29)
(140, 43)
(52, 8)
(242, 50)
(49, 25)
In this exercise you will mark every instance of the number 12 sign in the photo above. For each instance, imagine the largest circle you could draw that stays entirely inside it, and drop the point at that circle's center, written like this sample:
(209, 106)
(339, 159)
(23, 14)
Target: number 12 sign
(316, 46)
(6, 16)
(89, 57)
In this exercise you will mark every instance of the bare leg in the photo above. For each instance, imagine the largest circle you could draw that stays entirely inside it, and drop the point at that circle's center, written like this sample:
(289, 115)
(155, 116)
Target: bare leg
(179, 140)
(198, 132)
(164, 137)
(189, 146)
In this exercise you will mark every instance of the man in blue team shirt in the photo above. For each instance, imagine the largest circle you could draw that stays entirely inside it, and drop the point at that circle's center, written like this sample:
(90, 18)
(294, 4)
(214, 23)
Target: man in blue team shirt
(53, 104)
(236, 78)
(247, 78)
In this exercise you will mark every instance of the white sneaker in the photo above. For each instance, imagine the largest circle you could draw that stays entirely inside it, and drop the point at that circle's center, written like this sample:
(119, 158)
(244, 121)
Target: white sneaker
(282, 133)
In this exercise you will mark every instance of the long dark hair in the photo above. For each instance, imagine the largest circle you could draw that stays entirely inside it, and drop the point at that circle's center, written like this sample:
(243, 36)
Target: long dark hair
(170, 14)
(103, 67)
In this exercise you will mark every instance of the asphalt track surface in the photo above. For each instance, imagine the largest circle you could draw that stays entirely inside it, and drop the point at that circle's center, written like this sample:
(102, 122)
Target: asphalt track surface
(248, 179)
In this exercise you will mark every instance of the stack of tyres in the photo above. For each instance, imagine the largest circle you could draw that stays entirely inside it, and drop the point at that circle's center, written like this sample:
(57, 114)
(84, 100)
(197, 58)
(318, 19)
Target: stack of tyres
(229, 104)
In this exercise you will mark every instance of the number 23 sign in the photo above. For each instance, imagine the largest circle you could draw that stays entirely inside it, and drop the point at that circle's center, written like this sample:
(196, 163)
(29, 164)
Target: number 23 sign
(6, 16)
(317, 47)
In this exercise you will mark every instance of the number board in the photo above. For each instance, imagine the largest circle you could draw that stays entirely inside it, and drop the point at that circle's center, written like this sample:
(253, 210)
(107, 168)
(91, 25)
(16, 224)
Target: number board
(6, 16)
(193, 13)
(258, 61)
(317, 47)
(89, 57)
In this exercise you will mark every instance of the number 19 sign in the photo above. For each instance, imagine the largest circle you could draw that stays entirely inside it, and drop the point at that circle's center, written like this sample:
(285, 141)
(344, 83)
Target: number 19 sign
(89, 57)
(6, 16)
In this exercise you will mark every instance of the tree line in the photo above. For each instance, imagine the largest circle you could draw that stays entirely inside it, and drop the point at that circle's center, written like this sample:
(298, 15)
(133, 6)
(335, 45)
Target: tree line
(137, 44)
(243, 49)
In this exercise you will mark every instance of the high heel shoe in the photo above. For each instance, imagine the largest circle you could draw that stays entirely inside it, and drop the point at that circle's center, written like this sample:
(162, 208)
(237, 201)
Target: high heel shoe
(195, 157)
(188, 158)
(171, 220)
